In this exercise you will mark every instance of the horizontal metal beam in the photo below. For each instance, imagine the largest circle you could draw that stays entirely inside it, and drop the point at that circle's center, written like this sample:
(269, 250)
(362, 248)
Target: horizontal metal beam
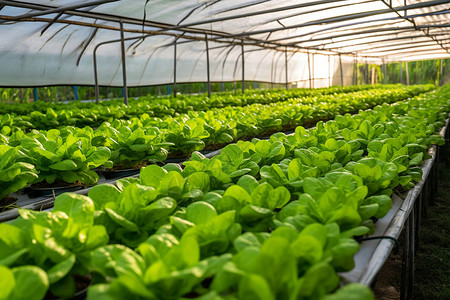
(330, 32)
(160, 28)
(219, 36)
(223, 36)
(409, 19)
(399, 46)
(171, 27)
(387, 33)
(56, 10)
(345, 17)
(409, 56)
(110, 18)
(406, 50)
(260, 12)
(392, 39)
(353, 32)
(397, 12)
(83, 24)
(313, 11)
(163, 28)
(376, 30)
(356, 31)
(150, 33)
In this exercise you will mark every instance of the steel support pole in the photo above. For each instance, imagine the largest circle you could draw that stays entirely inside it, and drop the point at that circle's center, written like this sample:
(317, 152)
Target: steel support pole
(75, 92)
(124, 65)
(329, 71)
(243, 67)
(427, 196)
(309, 72)
(342, 71)
(434, 177)
(405, 261)
(366, 72)
(401, 72)
(35, 94)
(441, 69)
(312, 71)
(97, 87)
(412, 253)
(407, 73)
(372, 79)
(271, 73)
(420, 76)
(207, 66)
(419, 204)
(175, 68)
(407, 272)
(437, 175)
(286, 68)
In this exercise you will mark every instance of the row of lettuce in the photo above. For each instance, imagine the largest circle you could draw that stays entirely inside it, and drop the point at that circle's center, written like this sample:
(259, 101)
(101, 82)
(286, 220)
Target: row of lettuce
(265, 219)
(184, 103)
(95, 115)
(72, 154)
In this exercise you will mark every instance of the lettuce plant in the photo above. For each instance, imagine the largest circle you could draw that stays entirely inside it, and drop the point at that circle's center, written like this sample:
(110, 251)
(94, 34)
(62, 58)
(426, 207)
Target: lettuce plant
(139, 208)
(70, 159)
(14, 174)
(306, 270)
(59, 242)
(164, 267)
(254, 203)
(186, 136)
(24, 282)
(220, 131)
(132, 147)
(131, 214)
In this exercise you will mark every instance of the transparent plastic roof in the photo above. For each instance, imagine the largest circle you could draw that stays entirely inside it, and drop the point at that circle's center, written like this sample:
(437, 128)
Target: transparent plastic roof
(50, 42)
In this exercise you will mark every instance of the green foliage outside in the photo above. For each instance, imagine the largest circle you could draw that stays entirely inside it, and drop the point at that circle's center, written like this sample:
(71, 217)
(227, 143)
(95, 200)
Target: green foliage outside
(420, 72)
(67, 93)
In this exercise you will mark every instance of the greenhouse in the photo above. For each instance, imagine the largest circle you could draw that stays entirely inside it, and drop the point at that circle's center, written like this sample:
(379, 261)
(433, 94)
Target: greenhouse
(218, 150)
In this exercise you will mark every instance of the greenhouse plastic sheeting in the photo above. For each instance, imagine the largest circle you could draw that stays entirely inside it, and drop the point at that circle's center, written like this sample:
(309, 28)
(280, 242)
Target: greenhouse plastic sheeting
(44, 46)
